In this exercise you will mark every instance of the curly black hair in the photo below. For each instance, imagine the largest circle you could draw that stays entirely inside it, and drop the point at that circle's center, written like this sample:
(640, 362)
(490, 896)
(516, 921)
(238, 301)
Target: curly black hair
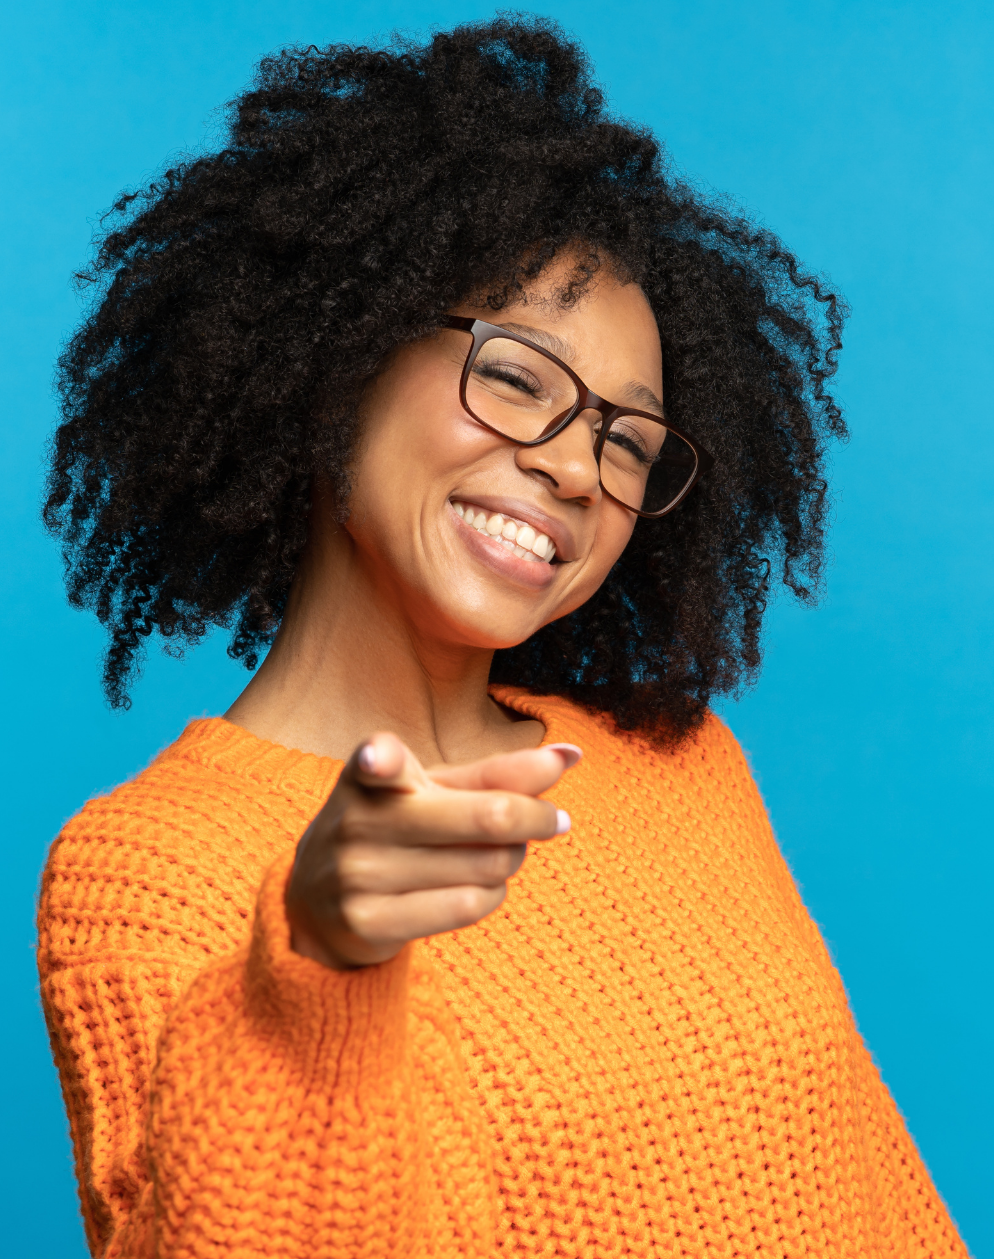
(244, 300)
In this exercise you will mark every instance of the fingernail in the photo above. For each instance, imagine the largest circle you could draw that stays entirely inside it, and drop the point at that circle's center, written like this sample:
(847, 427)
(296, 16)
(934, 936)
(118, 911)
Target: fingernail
(367, 758)
(563, 822)
(568, 751)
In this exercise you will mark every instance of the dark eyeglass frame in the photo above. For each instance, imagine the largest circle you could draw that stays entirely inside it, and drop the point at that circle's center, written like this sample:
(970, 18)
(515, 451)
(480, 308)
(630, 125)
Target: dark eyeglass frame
(587, 400)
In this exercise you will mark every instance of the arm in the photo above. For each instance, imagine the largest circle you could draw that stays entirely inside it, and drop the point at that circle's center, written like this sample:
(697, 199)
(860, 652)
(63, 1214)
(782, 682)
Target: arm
(252, 1100)
(910, 1218)
(906, 1215)
(294, 1109)
(299, 1110)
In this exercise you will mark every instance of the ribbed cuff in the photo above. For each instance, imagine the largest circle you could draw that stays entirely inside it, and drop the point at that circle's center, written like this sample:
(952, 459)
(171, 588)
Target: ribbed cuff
(347, 1028)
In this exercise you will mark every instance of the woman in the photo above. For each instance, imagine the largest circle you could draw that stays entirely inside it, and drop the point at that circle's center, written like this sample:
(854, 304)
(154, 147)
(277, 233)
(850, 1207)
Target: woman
(383, 383)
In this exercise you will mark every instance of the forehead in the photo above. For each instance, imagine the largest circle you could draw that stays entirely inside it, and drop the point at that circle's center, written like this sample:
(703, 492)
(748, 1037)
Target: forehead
(608, 336)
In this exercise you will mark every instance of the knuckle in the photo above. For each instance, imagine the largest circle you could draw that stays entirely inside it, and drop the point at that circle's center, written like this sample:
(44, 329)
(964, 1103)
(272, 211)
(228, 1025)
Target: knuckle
(363, 916)
(497, 816)
(495, 865)
(354, 827)
(358, 867)
(470, 904)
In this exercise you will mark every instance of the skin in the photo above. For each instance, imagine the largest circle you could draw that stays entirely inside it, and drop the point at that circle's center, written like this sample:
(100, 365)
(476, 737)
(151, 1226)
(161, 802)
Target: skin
(394, 617)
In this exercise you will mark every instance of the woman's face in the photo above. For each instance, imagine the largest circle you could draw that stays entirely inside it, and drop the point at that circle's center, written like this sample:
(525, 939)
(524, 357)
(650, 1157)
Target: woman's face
(426, 467)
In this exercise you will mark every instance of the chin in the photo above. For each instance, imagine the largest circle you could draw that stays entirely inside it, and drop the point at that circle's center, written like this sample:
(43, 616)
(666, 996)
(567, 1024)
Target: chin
(498, 642)
(473, 629)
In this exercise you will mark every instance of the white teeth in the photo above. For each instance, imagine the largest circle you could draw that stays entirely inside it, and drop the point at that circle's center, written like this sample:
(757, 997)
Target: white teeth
(519, 538)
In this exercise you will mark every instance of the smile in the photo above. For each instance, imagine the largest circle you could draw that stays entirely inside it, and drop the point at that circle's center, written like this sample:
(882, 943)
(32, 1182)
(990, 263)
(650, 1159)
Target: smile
(518, 537)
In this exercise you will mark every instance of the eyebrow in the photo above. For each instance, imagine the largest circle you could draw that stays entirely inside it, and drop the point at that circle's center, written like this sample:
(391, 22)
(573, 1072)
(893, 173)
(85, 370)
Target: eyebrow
(547, 340)
(639, 395)
(643, 395)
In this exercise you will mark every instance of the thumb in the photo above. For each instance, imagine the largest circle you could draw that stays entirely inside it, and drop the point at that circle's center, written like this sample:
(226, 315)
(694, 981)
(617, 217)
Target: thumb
(383, 761)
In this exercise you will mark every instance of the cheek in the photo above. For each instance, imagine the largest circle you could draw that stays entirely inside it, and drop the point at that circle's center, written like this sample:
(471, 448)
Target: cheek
(614, 529)
(411, 459)
(444, 439)
(422, 446)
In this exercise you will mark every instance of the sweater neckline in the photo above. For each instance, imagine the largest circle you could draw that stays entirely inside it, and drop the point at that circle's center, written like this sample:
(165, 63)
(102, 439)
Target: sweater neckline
(219, 743)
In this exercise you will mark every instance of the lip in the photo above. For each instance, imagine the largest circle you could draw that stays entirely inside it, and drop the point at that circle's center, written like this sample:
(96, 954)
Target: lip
(519, 509)
(536, 575)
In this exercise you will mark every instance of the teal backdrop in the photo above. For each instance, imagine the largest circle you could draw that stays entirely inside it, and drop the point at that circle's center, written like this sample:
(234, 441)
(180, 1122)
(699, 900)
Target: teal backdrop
(861, 132)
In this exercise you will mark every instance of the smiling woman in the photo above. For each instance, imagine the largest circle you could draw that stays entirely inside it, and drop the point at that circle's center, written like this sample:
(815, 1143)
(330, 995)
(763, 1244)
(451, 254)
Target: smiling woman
(433, 382)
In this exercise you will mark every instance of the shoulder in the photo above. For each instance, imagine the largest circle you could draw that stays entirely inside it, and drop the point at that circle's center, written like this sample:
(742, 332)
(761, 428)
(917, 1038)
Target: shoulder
(709, 752)
(216, 796)
(173, 859)
(704, 779)
(695, 801)
(212, 766)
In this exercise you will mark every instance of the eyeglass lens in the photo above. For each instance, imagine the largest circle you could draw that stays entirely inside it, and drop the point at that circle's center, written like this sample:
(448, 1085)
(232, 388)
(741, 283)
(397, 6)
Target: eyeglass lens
(524, 395)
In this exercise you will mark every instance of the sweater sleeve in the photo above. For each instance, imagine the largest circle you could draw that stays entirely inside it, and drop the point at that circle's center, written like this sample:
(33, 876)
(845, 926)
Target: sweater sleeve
(909, 1216)
(258, 1103)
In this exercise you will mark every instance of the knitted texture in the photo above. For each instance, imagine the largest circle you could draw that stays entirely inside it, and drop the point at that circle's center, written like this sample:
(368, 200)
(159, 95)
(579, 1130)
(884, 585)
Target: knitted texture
(645, 1051)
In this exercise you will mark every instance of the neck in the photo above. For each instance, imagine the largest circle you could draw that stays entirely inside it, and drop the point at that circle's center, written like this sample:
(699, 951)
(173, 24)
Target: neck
(347, 662)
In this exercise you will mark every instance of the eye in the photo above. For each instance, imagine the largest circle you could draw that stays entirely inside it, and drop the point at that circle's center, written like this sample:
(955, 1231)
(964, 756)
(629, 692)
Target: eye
(631, 441)
(512, 374)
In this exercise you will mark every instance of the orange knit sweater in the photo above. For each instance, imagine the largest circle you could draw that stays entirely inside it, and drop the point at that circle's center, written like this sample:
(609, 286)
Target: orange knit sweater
(646, 1051)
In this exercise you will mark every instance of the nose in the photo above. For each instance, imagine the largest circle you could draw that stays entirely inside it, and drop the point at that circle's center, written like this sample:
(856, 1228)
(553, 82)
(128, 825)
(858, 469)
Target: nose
(566, 463)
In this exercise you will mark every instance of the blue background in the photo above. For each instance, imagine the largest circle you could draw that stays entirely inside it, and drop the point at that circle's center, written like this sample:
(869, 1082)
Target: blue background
(860, 131)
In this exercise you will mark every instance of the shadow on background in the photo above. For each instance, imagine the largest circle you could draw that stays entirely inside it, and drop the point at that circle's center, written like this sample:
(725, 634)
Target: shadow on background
(861, 133)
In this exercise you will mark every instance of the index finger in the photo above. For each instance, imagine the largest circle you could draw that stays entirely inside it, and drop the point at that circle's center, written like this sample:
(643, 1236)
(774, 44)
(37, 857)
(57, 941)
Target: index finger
(451, 818)
(530, 771)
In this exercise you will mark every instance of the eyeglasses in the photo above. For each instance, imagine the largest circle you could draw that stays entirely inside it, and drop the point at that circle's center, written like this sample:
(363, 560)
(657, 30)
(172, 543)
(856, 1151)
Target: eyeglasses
(522, 392)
